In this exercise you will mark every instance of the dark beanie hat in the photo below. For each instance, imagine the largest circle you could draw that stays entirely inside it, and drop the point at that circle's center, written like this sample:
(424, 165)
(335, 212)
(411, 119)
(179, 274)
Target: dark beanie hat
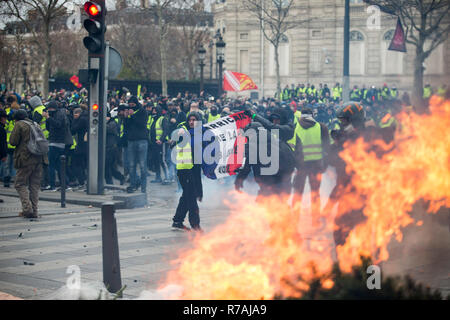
(133, 99)
(53, 105)
(20, 115)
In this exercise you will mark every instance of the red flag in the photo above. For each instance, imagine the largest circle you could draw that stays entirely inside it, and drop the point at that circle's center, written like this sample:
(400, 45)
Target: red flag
(398, 42)
(76, 81)
(234, 81)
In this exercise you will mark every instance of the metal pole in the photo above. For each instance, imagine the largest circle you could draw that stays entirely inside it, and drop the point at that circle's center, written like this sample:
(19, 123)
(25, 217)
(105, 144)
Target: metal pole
(110, 245)
(63, 181)
(201, 76)
(346, 82)
(210, 63)
(220, 78)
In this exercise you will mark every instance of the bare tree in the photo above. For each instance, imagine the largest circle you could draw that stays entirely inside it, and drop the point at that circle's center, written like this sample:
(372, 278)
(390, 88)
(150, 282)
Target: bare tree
(426, 24)
(69, 54)
(192, 32)
(165, 17)
(136, 43)
(38, 12)
(8, 61)
(275, 18)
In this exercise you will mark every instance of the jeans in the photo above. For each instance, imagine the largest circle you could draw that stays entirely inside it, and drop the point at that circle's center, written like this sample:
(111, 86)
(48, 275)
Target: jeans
(171, 171)
(137, 154)
(54, 164)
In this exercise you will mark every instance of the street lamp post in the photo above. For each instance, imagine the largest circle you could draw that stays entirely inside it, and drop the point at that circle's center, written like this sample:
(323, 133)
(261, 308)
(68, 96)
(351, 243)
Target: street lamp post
(210, 46)
(220, 56)
(201, 57)
(24, 73)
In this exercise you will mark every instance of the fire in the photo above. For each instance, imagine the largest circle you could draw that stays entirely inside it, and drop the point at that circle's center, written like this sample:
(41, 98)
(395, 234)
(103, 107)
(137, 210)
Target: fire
(258, 252)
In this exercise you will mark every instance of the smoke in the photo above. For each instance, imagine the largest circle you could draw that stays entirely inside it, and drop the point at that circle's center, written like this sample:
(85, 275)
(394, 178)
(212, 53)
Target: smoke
(85, 291)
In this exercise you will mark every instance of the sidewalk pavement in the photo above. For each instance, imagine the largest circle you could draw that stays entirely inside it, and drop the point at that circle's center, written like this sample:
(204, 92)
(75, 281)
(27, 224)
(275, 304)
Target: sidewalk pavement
(117, 195)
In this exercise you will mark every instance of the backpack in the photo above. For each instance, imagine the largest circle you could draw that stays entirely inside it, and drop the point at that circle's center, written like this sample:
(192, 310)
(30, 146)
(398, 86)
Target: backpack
(38, 144)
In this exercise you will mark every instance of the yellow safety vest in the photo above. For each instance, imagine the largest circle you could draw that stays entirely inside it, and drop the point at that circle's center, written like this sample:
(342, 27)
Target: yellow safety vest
(387, 121)
(213, 118)
(39, 110)
(291, 142)
(337, 92)
(159, 128)
(184, 155)
(311, 141)
(9, 128)
(297, 115)
(426, 92)
(74, 144)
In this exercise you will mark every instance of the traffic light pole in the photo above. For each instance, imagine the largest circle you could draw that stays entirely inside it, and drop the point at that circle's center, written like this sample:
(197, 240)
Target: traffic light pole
(98, 84)
(94, 137)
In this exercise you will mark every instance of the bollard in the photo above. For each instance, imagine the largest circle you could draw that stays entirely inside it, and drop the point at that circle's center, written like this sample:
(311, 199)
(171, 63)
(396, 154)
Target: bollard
(110, 245)
(63, 181)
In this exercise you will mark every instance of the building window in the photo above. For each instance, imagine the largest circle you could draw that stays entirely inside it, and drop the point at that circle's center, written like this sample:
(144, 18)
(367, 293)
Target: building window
(356, 36)
(389, 35)
(283, 57)
(391, 61)
(357, 53)
(316, 34)
(243, 36)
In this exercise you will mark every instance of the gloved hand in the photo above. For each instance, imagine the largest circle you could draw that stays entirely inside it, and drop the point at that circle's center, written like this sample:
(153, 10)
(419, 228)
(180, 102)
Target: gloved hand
(249, 112)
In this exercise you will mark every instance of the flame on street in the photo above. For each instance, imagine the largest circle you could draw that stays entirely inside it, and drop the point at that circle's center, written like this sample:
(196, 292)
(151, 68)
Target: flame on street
(259, 250)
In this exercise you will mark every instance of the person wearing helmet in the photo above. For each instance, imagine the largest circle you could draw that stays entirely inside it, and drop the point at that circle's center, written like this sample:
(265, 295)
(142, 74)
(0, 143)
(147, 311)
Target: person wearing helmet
(353, 126)
(189, 176)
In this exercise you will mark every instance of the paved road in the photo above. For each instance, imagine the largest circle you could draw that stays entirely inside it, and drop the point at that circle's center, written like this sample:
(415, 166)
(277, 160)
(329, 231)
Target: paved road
(35, 254)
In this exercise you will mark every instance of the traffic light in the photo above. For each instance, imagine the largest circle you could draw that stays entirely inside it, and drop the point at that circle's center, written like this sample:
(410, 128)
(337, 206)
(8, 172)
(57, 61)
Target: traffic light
(96, 26)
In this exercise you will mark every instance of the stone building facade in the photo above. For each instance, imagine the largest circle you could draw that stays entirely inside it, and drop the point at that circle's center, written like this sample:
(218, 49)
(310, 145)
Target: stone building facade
(313, 52)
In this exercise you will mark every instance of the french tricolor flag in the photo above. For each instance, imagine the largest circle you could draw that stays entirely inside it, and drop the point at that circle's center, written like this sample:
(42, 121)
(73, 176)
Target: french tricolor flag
(223, 149)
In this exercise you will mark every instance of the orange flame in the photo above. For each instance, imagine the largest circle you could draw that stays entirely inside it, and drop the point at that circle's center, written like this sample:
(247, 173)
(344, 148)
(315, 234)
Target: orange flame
(258, 252)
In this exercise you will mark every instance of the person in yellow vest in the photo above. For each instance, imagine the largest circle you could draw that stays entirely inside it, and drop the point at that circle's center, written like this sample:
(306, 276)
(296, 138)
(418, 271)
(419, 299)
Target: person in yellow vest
(158, 137)
(337, 92)
(442, 90)
(11, 108)
(427, 91)
(311, 149)
(296, 111)
(189, 176)
(213, 114)
(38, 109)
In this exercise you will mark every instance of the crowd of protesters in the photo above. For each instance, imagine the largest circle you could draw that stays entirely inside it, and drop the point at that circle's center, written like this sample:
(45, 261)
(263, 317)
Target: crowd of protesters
(139, 127)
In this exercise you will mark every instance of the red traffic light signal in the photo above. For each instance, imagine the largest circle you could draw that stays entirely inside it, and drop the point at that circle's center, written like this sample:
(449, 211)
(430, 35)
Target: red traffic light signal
(92, 9)
(95, 107)
(95, 26)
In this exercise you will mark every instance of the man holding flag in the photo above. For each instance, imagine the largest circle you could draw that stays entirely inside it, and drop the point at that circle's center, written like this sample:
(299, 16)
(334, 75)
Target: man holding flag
(189, 176)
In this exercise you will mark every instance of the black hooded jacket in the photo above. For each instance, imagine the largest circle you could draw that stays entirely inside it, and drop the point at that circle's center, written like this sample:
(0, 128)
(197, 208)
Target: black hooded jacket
(135, 126)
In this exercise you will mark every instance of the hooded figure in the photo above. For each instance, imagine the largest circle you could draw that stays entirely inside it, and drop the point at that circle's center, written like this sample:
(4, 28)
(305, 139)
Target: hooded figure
(35, 102)
(311, 150)
(273, 176)
(189, 176)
